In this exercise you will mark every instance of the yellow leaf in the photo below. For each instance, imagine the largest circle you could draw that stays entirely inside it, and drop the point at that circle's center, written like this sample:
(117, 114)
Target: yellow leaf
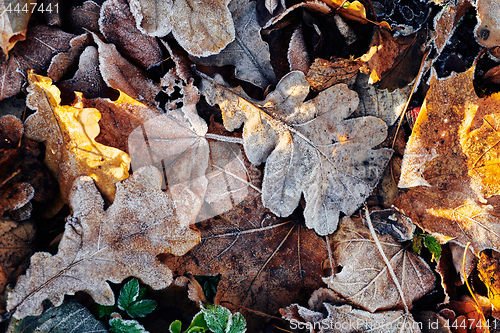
(69, 133)
(489, 272)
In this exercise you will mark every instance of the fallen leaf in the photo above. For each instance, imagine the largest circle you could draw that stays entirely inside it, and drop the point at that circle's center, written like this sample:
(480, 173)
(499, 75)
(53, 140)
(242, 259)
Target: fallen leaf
(380, 102)
(119, 118)
(118, 27)
(87, 79)
(298, 57)
(11, 132)
(41, 43)
(69, 133)
(308, 147)
(120, 74)
(16, 246)
(493, 75)
(14, 23)
(99, 246)
(347, 319)
(265, 263)
(323, 73)
(487, 30)
(248, 52)
(488, 269)
(201, 27)
(449, 176)
(446, 21)
(61, 62)
(394, 61)
(350, 10)
(467, 314)
(85, 18)
(364, 278)
(70, 316)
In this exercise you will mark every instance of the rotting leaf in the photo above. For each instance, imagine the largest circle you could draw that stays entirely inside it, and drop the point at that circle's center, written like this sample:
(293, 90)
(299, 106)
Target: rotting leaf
(118, 27)
(69, 133)
(99, 246)
(41, 43)
(309, 147)
(201, 27)
(365, 280)
(248, 52)
(323, 73)
(347, 319)
(450, 173)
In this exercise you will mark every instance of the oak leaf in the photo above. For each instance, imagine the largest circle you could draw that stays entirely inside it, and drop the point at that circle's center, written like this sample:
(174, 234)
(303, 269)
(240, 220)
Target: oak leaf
(364, 278)
(449, 177)
(69, 133)
(248, 52)
(201, 27)
(309, 147)
(489, 269)
(100, 246)
(346, 319)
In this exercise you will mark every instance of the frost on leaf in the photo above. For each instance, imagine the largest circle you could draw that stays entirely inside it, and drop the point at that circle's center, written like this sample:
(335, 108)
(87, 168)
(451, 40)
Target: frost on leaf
(99, 246)
(449, 176)
(69, 134)
(13, 24)
(365, 280)
(309, 147)
(351, 320)
(201, 27)
(248, 52)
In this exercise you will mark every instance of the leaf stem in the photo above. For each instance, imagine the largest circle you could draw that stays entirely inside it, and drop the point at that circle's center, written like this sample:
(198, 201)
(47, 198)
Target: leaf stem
(387, 263)
(223, 138)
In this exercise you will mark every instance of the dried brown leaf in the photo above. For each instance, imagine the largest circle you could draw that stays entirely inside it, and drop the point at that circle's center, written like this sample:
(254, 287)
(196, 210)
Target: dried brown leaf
(265, 263)
(248, 52)
(100, 246)
(450, 168)
(120, 74)
(364, 279)
(323, 73)
(41, 43)
(61, 62)
(446, 21)
(118, 27)
(85, 18)
(308, 147)
(201, 27)
(298, 57)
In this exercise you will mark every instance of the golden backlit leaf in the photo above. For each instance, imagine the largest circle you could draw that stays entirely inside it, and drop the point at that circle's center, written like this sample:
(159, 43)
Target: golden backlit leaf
(69, 134)
(489, 272)
(450, 170)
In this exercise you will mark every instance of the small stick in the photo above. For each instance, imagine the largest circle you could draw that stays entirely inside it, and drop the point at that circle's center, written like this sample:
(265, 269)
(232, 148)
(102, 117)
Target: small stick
(387, 263)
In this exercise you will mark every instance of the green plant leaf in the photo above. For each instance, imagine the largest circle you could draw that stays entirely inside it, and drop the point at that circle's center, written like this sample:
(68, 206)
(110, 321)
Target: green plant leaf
(128, 294)
(434, 247)
(141, 308)
(105, 310)
(198, 324)
(142, 294)
(217, 317)
(175, 327)
(119, 325)
(237, 324)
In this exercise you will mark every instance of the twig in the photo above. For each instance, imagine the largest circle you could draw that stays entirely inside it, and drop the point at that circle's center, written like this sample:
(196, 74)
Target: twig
(387, 263)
